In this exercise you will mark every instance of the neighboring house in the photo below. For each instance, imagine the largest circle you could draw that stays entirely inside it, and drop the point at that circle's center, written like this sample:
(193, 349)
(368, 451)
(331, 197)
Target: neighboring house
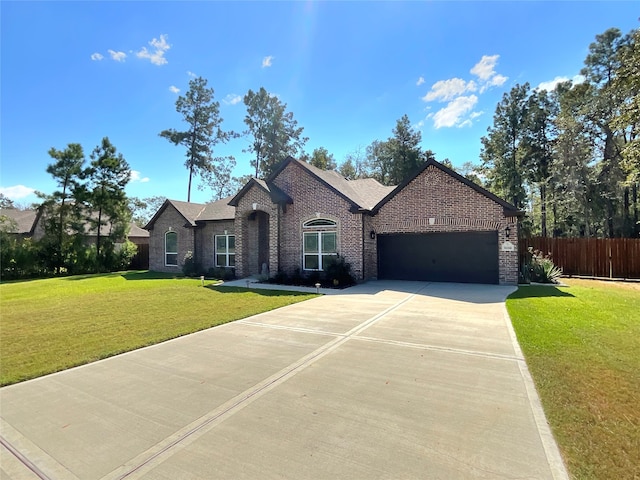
(19, 222)
(30, 224)
(435, 226)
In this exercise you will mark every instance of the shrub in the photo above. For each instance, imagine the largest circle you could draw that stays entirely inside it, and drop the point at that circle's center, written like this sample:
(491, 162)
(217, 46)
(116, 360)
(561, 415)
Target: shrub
(539, 268)
(338, 272)
(189, 267)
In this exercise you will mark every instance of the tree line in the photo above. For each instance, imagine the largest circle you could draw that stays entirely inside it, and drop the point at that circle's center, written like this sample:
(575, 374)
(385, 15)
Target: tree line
(571, 157)
(89, 203)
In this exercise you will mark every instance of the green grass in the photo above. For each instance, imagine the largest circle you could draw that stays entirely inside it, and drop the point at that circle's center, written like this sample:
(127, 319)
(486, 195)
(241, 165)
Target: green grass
(54, 324)
(582, 345)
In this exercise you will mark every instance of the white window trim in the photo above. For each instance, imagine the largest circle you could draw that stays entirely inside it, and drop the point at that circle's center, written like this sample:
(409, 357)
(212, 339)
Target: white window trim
(226, 255)
(319, 253)
(170, 253)
(331, 224)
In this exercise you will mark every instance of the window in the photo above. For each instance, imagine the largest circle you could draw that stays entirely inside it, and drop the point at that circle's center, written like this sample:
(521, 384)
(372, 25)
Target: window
(225, 250)
(171, 249)
(320, 245)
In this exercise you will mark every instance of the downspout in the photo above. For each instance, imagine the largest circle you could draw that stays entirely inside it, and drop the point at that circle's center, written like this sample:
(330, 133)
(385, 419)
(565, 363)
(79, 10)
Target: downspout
(362, 242)
(280, 207)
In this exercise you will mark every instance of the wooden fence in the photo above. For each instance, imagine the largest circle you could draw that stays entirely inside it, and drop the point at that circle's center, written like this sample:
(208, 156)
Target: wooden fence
(593, 257)
(140, 260)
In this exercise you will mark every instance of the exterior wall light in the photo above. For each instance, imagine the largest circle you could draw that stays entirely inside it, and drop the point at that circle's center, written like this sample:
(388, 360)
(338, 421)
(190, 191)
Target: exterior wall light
(507, 231)
(372, 234)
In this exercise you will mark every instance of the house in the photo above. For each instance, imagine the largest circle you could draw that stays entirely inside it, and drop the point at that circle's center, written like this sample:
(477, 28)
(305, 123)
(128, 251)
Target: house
(18, 222)
(30, 224)
(434, 226)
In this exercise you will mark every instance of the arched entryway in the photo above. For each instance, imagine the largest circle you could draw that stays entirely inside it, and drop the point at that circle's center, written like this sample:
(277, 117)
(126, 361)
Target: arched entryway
(257, 243)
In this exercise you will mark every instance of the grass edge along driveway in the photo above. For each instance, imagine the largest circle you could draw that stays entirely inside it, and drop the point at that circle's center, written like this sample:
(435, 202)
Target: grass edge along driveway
(53, 324)
(582, 345)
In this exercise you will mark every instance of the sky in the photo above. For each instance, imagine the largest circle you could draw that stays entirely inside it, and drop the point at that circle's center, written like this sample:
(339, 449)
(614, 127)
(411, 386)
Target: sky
(78, 71)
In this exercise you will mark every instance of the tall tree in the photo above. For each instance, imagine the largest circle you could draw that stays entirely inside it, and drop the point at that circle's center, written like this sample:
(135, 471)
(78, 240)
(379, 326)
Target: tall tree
(601, 66)
(6, 202)
(219, 179)
(108, 175)
(380, 158)
(574, 198)
(355, 165)
(322, 159)
(274, 133)
(62, 214)
(142, 210)
(404, 148)
(538, 140)
(202, 115)
(627, 121)
(501, 149)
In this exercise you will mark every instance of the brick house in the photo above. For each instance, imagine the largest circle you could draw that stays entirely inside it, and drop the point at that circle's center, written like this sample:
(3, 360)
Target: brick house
(435, 226)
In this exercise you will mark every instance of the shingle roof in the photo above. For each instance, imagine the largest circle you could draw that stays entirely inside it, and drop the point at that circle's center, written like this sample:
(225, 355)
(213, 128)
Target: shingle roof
(197, 212)
(218, 210)
(136, 231)
(276, 195)
(24, 218)
(370, 190)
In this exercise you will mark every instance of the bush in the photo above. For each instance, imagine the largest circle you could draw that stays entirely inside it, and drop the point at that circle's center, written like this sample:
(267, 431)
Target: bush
(539, 268)
(189, 267)
(338, 272)
(220, 273)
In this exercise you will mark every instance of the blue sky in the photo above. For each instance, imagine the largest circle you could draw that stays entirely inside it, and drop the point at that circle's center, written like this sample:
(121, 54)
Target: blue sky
(74, 72)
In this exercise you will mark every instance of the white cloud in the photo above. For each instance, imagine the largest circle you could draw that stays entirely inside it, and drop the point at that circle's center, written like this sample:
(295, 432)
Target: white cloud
(136, 177)
(452, 114)
(96, 56)
(552, 84)
(420, 81)
(157, 56)
(445, 90)
(17, 192)
(232, 99)
(267, 61)
(474, 115)
(484, 69)
(191, 74)
(117, 56)
(174, 89)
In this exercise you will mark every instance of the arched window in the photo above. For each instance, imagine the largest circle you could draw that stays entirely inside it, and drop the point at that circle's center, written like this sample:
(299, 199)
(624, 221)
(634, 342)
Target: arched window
(171, 249)
(319, 243)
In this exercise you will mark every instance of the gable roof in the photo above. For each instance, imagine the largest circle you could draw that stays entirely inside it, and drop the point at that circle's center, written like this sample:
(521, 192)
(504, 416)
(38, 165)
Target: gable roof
(361, 194)
(276, 194)
(509, 209)
(196, 212)
(136, 231)
(25, 219)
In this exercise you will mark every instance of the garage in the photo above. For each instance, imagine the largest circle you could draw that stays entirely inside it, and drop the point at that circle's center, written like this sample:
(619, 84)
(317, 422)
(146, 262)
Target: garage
(465, 257)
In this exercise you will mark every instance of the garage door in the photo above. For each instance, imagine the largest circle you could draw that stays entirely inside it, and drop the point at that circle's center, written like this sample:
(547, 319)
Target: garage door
(470, 257)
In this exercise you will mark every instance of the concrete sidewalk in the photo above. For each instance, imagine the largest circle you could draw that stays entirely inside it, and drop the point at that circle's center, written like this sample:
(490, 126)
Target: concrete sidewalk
(397, 380)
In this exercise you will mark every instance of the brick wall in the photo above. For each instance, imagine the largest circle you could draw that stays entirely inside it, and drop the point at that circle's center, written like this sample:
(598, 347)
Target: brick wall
(254, 200)
(312, 199)
(436, 202)
(170, 220)
(205, 238)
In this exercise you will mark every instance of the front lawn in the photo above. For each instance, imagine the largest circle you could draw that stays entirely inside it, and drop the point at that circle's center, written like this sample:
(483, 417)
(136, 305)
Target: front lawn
(582, 345)
(53, 324)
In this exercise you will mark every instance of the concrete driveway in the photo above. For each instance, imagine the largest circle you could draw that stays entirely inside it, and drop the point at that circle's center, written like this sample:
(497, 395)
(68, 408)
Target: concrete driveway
(393, 380)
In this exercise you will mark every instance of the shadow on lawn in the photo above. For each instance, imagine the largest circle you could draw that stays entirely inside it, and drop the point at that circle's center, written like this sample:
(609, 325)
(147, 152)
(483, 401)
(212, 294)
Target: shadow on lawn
(535, 291)
(149, 275)
(258, 291)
